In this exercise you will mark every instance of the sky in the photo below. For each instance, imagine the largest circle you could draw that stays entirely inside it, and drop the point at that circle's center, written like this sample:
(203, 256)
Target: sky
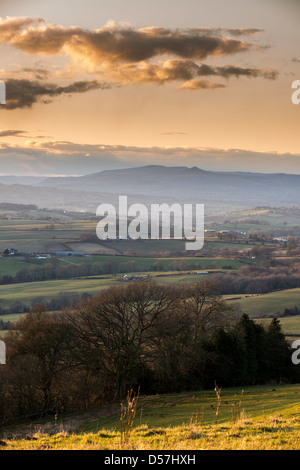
(94, 85)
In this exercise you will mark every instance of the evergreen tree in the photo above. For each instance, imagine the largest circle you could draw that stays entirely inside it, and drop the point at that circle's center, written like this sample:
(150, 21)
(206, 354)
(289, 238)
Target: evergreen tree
(277, 351)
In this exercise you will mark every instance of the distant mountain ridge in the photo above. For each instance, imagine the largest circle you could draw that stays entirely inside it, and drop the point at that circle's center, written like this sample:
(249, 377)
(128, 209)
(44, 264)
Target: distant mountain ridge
(220, 191)
(188, 183)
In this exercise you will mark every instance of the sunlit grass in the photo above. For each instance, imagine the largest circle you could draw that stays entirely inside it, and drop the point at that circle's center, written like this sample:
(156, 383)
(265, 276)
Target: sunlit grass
(260, 418)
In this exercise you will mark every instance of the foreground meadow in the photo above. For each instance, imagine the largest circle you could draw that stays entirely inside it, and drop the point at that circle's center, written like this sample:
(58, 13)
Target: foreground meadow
(253, 418)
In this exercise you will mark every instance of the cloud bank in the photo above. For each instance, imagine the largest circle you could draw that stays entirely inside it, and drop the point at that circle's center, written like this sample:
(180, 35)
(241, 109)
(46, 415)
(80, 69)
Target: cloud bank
(123, 55)
(69, 158)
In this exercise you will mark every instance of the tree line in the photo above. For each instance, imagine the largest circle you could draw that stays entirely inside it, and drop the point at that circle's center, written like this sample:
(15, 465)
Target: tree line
(158, 338)
(52, 271)
(269, 275)
(260, 279)
(249, 279)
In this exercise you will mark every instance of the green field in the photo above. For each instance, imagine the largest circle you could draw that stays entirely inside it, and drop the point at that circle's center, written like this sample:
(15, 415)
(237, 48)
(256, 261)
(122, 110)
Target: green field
(26, 292)
(45, 290)
(265, 304)
(43, 231)
(260, 417)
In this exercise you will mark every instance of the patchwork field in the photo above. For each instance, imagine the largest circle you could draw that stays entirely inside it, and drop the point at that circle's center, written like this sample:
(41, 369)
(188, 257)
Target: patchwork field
(45, 230)
(42, 231)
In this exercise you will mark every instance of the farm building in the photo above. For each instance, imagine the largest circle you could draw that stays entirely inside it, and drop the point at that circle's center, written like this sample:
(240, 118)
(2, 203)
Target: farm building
(10, 252)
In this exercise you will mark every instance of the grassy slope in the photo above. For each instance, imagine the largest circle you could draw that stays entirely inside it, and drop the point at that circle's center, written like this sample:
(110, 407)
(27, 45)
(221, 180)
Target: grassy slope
(262, 417)
(45, 290)
(258, 305)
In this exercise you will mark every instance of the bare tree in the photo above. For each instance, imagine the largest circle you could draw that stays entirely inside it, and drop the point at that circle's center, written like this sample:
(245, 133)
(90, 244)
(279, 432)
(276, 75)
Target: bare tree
(116, 324)
(206, 309)
(42, 338)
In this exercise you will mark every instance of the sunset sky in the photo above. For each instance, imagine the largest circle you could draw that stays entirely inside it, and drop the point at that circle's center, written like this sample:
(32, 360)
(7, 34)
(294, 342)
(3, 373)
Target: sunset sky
(94, 85)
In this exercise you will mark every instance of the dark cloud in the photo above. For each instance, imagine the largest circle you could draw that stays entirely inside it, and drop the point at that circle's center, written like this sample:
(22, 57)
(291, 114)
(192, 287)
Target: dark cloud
(24, 93)
(228, 71)
(183, 70)
(38, 72)
(136, 46)
(12, 133)
(244, 31)
(20, 133)
(116, 44)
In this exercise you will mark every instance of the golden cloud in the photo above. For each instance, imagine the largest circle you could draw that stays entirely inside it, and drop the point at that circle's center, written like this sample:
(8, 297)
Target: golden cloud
(116, 43)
